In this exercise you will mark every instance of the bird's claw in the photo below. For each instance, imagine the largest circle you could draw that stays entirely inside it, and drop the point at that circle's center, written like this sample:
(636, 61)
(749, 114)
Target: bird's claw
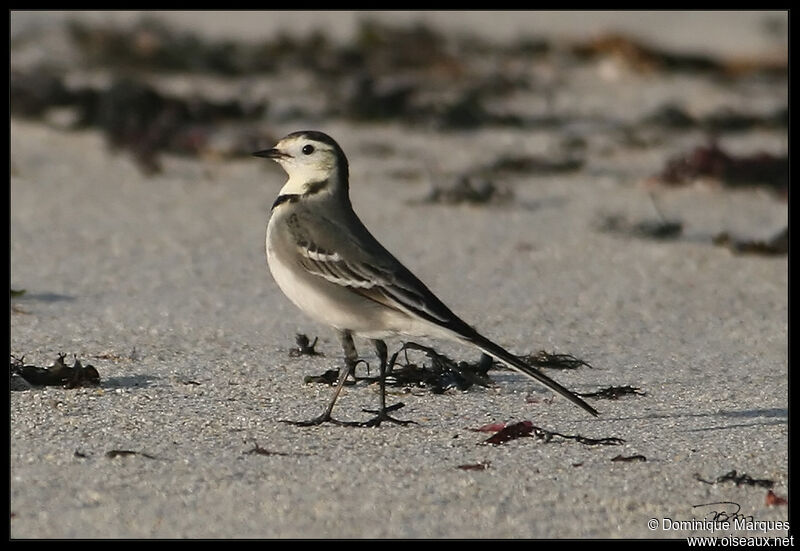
(383, 415)
(380, 417)
(324, 418)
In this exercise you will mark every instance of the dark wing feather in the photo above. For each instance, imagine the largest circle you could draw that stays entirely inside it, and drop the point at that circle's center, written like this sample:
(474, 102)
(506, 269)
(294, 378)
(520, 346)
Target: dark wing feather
(358, 261)
(393, 289)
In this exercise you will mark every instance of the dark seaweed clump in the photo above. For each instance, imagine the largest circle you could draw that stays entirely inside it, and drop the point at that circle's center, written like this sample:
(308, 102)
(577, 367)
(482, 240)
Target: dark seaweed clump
(58, 374)
(738, 479)
(711, 161)
(441, 374)
(136, 117)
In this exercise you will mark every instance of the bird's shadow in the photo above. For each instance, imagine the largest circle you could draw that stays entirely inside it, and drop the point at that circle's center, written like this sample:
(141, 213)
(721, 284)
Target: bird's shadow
(45, 297)
(777, 416)
(780, 417)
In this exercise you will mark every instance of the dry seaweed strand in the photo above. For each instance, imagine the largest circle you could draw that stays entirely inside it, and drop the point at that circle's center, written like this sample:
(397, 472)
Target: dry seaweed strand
(613, 392)
(467, 190)
(527, 429)
(711, 161)
(738, 479)
(480, 466)
(774, 246)
(111, 454)
(258, 450)
(549, 360)
(629, 458)
(304, 346)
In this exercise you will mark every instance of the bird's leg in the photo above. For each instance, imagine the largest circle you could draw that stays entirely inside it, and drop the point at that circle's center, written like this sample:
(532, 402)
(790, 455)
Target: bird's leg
(350, 352)
(350, 361)
(383, 415)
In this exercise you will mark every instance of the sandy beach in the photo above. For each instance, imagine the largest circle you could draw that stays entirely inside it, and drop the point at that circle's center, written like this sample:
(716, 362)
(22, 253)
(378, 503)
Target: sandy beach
(160, 282)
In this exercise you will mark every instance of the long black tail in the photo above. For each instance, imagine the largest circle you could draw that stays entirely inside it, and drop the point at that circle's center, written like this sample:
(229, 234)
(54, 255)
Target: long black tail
(516, 364)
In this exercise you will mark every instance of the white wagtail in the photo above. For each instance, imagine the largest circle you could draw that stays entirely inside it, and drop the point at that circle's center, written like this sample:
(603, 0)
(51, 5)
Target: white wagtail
(332, 268)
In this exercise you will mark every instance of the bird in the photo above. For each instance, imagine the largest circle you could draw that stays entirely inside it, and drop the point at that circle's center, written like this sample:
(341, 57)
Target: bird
(330, 266)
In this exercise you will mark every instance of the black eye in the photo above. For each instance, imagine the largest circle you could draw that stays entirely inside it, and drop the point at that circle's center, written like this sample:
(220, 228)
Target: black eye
(308, 149)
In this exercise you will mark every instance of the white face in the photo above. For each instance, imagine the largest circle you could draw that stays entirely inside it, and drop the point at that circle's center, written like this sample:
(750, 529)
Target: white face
(305, 161)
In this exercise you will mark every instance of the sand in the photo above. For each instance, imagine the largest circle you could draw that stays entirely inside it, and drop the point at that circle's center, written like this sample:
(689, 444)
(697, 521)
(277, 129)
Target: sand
(161, 283)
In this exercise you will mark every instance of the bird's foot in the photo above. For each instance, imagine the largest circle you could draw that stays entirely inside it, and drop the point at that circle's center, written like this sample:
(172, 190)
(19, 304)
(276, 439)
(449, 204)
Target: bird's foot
(324, 418)
(383, 415)
(380, 417)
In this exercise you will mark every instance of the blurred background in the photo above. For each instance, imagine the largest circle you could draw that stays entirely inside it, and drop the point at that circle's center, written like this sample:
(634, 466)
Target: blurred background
(218, 84)
(747, 32)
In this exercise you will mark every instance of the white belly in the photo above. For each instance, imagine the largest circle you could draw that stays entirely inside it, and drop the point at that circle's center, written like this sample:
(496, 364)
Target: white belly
(335, 305)
(329, 303)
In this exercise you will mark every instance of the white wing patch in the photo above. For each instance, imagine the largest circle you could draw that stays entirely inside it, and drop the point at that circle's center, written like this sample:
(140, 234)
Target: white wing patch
(331, 266)
(320, 256)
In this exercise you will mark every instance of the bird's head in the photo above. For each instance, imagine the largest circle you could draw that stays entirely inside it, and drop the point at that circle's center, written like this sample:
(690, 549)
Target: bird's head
(314, 162)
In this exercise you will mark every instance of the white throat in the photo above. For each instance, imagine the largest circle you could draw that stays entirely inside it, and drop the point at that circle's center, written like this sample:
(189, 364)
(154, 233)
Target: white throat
(294, 186)
(302, 180)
